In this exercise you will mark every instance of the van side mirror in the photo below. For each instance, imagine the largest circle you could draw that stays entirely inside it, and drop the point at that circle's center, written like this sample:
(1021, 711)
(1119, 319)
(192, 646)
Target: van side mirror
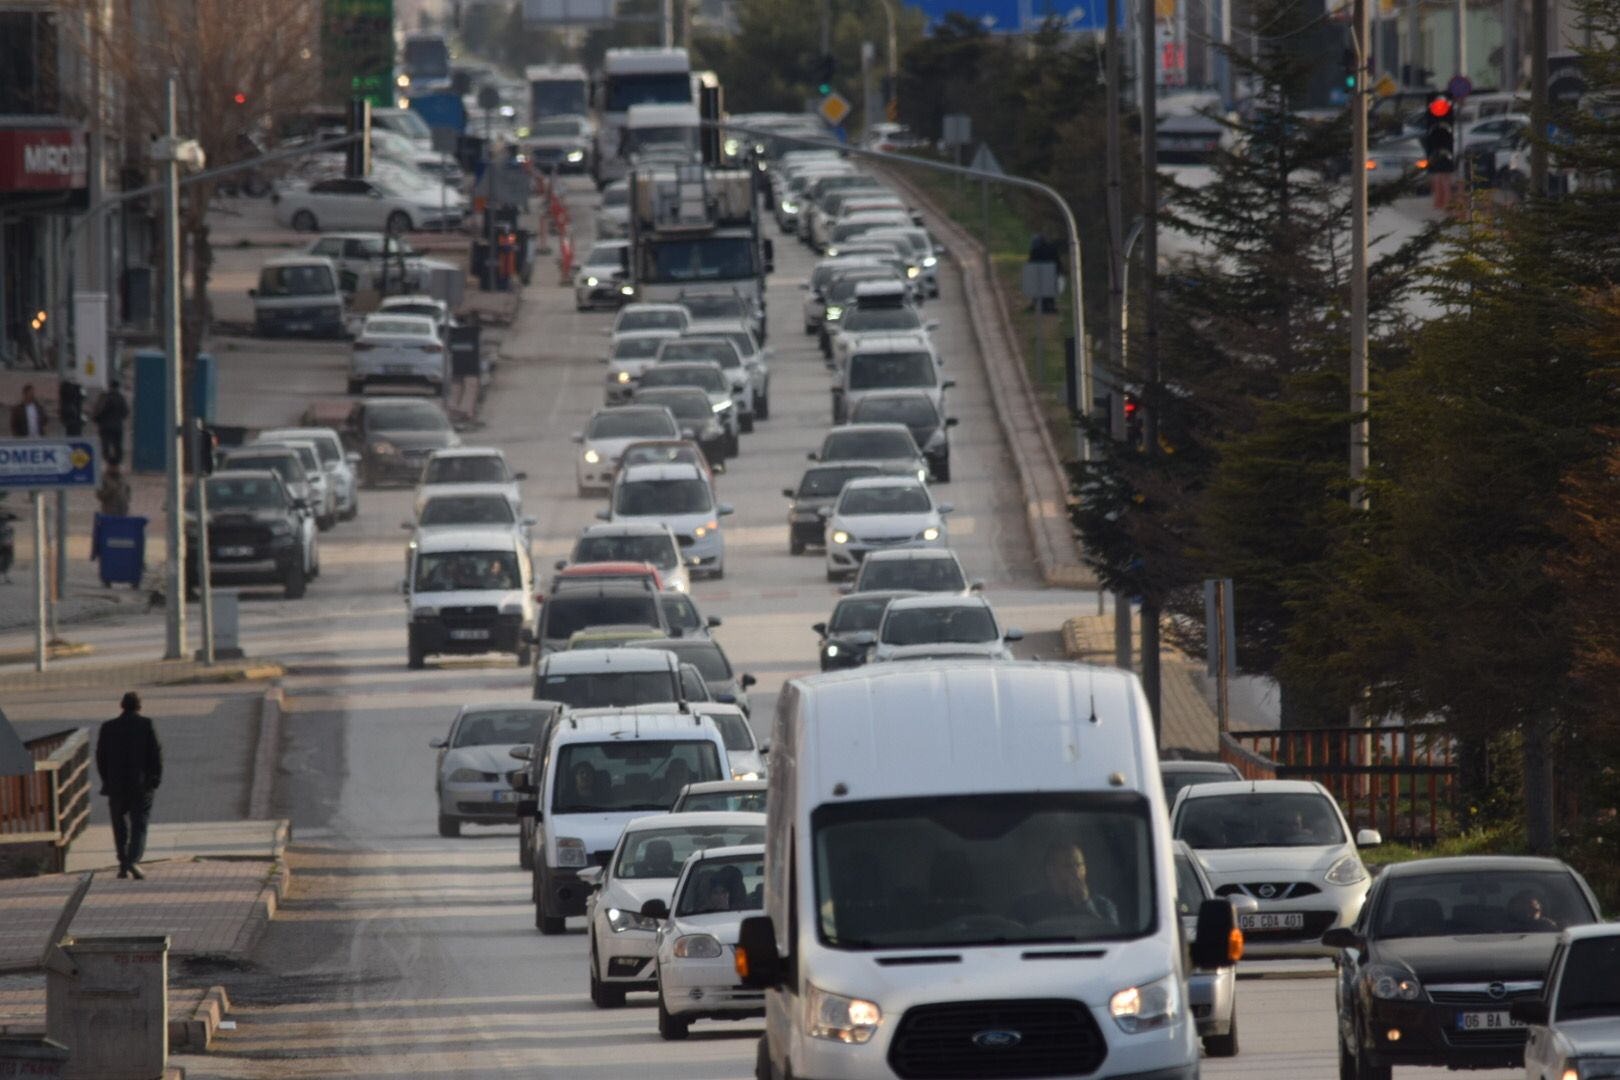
(438, 742)
(787, 493)
(1530, 1011)
(759, 965)
(1342, 937)
(655, 909)
(747, 681)
(591, 877)
(713, 621)
(559, 564)
(603, 515)
(1219, 942)
(1013, 634)
(951, 421)
(1369, 838)
(948, 384)
(812, 456)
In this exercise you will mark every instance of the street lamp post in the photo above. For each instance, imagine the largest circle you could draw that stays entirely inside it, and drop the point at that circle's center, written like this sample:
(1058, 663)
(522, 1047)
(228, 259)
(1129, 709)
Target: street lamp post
(173, 401)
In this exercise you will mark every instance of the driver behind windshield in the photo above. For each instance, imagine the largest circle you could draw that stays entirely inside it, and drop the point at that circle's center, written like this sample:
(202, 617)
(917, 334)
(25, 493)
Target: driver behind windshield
(1065, 889)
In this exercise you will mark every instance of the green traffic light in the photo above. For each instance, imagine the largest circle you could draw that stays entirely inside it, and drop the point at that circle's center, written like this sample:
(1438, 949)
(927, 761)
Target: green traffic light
(826, 88)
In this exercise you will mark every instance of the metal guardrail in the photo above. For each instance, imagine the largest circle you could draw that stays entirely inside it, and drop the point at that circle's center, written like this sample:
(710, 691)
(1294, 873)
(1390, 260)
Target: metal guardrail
(1400, 780)
(51, 806)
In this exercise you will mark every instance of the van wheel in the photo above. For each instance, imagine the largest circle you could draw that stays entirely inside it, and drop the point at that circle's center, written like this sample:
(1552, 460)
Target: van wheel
(795, 547)
(525, 857)
(449, 827)
(602, 995)
(762, 407)
(296, 582)
(1223, 1046)
(415, 658)
(671, 1027)
(304, 221)
(550, 925)
(525, 656)
(745, 423)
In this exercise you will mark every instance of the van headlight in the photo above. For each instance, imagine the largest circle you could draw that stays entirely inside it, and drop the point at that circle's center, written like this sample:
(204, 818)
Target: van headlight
(622, 377)
(1147, 1007)
(513, 608)
(570, 851)
(575, 157)
(839, 1018)
(1347, 871)
(696, 946)
(620, 920)
(930, 261)
(427, 612)
(834, 312)
(922, 474)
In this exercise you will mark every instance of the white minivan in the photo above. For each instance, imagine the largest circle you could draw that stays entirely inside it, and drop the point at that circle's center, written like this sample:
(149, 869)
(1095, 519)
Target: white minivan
(602, 769)
(969, 874)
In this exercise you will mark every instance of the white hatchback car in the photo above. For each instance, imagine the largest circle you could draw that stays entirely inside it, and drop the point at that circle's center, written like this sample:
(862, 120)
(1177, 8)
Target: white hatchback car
(934, 626)
(680, 497)
(1285, 843)
(643, 869)
(397, 349)
(474, 763)
(610, 431)
(696, 968)
(876, 513)
(335, 461)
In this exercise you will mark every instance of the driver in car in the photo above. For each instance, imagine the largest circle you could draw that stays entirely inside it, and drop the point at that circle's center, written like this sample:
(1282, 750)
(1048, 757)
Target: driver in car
(1529, 913)
(1067, 889)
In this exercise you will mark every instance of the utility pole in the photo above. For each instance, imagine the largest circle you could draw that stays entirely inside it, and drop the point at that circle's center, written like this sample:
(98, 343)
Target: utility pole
(174, 609)
(1358, 257)
(1539, 105)
(1116, 287)
(1148, 23)
(1462, 38)
(668, 37)
(1510, 45)
(894, 56)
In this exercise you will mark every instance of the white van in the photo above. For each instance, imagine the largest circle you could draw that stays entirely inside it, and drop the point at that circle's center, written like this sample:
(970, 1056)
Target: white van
(467, 592)
(602, 769)
(970, 874)
(298, 294)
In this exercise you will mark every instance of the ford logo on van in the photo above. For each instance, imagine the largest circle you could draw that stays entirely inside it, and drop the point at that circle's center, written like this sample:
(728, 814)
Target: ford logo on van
(997, 1039)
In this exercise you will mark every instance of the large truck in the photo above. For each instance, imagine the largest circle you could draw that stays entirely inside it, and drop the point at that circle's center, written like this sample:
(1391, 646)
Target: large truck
(425, 62)
(557, 90)
(640, 76)
(696, 230)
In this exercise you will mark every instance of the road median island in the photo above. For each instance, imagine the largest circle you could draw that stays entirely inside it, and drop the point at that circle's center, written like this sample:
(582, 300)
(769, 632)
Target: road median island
(134, 673)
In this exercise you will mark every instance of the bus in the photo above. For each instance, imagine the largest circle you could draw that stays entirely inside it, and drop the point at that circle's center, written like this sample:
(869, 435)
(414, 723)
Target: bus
(357, 51)
(426, 61)
(642, 76)
(557, 90)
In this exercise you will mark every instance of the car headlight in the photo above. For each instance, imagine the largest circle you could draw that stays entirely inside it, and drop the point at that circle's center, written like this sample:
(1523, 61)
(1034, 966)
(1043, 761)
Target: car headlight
(570, 851)
(678, 585)
(697, 947)
(627, 290)
(834, 311)
(706, 528)
(840, 537)
(427, 612)
(1347, 871)
(722, 406)
(1392, 984)
(622, 377)
(1147, 1007)
(592, 457)
(832, 650)
(466, 776)
(576, 156)
(789, 206)
(831, 252)
(591, 282)
(911, 271)
(839, 1018)
(930, 262)
(384, 447)
(620, 920)
(930, 533)
(922, 474)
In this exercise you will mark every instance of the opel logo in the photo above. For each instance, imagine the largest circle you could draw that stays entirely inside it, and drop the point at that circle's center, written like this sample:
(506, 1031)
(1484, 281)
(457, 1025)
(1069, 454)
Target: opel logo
(1267, 891)
(997, 1039)
(1496, 990)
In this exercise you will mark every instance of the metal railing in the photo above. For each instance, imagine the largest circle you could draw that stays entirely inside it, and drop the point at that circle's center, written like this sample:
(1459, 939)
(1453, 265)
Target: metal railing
(1400, 780)
(51, 805)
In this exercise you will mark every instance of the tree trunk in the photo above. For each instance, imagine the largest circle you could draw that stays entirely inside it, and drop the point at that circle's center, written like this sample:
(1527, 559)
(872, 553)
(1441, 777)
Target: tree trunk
(1539, 787)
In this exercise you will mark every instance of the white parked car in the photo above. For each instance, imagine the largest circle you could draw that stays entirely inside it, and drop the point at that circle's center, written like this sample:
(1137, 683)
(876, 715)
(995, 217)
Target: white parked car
(338, 463)
(678, 496)
(696, 941)
(482, 465)
(397, 349)
(285, 462)
(322, 493)
(644, 867)
(1575, 1023)
(366, 203)
(632, 353)
(609, 432)
(474, 760)
(601, 280)
(936, 626)
(874, 513)
(1285, 843)
(359, 257)
(648, 542)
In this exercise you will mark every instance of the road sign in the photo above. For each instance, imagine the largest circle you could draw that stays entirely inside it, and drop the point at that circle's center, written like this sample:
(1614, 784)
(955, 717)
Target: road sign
(1020, 16)
(1040, 280)
(957, 129)
(834, 107)
(1385, 86)
(1459, 87)
(47, 463)
(985, 161)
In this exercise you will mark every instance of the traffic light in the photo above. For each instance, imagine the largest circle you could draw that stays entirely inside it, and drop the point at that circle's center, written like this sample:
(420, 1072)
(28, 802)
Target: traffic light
(1350, 71)
(240, 98)
(357, 155)
(824, 75)
(1440, 134)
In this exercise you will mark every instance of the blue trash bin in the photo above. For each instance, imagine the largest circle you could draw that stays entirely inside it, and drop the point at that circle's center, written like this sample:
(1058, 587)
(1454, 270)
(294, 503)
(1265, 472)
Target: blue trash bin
(119, 544)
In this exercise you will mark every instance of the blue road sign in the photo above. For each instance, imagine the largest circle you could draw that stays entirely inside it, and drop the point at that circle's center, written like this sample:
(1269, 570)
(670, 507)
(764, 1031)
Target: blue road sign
(47, 463)
(1020, 16)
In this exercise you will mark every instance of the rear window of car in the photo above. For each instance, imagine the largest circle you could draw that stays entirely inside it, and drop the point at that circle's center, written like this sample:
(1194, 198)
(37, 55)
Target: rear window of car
(625, 424)
(566, 615)
(868, 445)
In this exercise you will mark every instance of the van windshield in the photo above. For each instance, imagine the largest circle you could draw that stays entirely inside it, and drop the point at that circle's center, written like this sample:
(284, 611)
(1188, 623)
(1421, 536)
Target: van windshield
(635, 774)
(305, 280)
(959, 870)
(610, 689)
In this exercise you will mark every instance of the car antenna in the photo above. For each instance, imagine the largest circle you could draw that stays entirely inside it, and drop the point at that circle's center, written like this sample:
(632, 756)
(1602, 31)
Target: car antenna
(1091, 688)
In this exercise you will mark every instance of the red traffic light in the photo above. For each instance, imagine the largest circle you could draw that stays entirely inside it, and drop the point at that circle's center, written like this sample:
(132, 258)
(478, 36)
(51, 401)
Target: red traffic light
(241, 98)
(1440, 106)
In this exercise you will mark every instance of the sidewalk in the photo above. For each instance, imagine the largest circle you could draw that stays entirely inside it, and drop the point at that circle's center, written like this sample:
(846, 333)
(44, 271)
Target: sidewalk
(127, 674)
(1189, 722)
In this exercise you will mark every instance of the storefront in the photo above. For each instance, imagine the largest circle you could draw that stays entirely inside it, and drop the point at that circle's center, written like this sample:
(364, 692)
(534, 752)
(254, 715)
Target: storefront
(44, 171)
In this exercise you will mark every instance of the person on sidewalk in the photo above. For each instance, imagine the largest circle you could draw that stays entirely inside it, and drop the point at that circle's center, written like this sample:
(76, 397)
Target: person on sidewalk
(110, 414)
(130, 762)
(28, 419)
(113, 492)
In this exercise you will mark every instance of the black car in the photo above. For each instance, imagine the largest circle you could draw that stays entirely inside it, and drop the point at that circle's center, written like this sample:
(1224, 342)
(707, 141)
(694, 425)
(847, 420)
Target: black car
(818, 489)
(696, 418)
(916, 410)
(1175, 775)
(851, 627)
(395, 436)
(1441, 949)
(255, 533)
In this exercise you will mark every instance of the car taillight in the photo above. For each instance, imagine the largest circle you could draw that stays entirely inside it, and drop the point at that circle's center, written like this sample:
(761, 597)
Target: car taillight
(434, 348)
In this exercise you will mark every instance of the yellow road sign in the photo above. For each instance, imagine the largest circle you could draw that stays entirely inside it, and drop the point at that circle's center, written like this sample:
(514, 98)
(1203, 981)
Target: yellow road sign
(1385, 86)
(834, 107)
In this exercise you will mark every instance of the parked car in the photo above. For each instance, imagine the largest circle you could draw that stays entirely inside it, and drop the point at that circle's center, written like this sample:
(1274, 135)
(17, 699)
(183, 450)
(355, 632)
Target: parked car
(395, 436)
(367, 203)
(288, 466)
(298, 295)
(397, 349)
(256, 533)
(371, 260)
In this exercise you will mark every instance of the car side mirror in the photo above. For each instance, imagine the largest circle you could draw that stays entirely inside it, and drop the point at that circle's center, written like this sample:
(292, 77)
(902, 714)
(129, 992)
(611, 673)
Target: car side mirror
(578, 436)
(725, 510)
(820, 628)
(591, 877)
(1530, 1011)
(407, 524)
(520, 780)
(812, 456)
(1013, 634)
(559, 564)
(747, 681)
(522, 753)
(1369, 838)
(824, 511)
(520, 476)
(655, 909)
(530, 522)
(759, 965)
(948, 384)
(931, 325)
(1342, 937)
(713, 621)
(787, 493)
(946, 508)
(1218, 942)
(975, 586)
(951, 421)
(603, 515)
(438, 742)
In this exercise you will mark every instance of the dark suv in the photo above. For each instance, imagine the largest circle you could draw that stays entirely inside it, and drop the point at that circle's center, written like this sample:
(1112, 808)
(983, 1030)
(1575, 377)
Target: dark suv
(576, 604)
(395, 436)
(254, 533)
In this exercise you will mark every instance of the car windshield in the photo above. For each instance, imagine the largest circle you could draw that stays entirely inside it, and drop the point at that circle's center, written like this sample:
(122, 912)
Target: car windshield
(465, 470)
(921, 575)
(286, 466)
(680, 612)
(660, 853)
(689, 405)
(567, 614)
(1259, 819)
(296, 281)
(655, 498)
(662, 454)
(706, 656)
(610, 689)
(1588, 987)
(709, 379)
(723, 885)
(246, 493)
(449, 571)
(325, 445)
(631, 774)
(752, 802)
(715, 307)
(379, 327)
(888, 499)
(407, 416)
(1007, 868)
(495, 728)
(823, 483)
(858, 613)
(890, 371)
(1481, 902)
(939, 625)
(658, 550)
(868, 446)
(914, 412)
(1189, 890)
(657, 319)
(720, 352)
(467, 510)
(605, 255)
(636, 348)
(630, 424)
(864, 319)
(733, 730)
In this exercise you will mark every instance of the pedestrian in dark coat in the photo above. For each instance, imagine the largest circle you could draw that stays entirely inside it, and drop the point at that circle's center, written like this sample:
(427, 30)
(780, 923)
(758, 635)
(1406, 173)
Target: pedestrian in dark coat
(111, 412)
(130, 762)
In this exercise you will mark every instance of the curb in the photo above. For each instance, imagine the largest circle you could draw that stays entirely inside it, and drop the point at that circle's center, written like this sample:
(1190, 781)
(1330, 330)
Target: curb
(196, 1031)
(251, 673)
(277, 880)
(261, 788)
(53, 651)
(140, 673)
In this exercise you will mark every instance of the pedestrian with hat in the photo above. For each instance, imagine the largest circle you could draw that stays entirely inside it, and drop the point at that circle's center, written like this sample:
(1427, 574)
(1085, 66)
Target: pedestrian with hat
(130, 762)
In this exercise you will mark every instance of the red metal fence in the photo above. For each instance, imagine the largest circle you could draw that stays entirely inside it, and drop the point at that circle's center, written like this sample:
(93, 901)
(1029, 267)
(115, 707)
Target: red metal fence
(51, 805)
(1399, 780)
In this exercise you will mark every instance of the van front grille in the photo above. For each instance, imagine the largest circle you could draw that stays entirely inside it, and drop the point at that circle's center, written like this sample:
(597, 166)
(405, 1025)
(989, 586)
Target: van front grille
(997, 1040)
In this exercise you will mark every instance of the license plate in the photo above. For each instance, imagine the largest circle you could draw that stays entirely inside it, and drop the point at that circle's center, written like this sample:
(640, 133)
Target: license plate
(295, 326)
(469, 635)
(503, 795)
(235, 551)
(1486, 1021)
(1280, 920)
(399, 369)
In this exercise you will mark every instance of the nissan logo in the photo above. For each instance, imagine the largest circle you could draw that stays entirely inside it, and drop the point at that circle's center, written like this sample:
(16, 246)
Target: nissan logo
(997, 1039)
(1496, 990)
(1267, 891)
